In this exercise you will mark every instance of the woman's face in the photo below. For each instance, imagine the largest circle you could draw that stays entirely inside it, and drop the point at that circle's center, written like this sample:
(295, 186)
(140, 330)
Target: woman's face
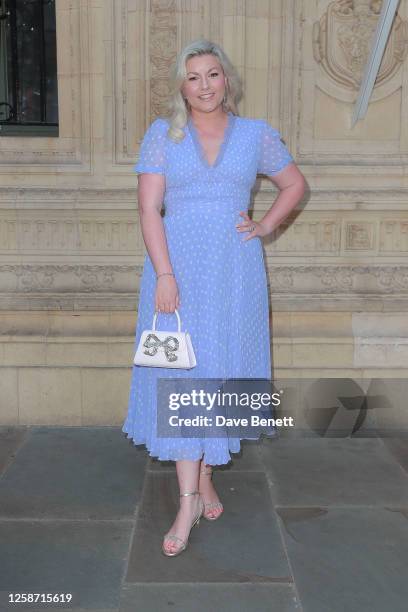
(204, 86)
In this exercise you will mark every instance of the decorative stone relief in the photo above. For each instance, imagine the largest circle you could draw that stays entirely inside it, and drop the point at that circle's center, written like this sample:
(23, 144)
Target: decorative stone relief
(69, 278)
(163, 51)
(64, 232)
(346, 279)
(342, 40)
(57, 233)
(359, 236)
(291, 279)
(307, 235)
(393, 236)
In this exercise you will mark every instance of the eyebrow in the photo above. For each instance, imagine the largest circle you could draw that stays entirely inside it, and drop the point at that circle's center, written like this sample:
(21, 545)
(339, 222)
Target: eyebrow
(207, 70)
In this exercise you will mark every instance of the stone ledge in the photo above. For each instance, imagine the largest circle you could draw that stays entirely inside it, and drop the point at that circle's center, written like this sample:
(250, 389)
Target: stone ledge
(297, 352)
(103, 351)
(112, 323)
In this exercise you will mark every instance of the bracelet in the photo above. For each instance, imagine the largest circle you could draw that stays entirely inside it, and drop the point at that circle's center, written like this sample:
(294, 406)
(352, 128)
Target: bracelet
(165, 273)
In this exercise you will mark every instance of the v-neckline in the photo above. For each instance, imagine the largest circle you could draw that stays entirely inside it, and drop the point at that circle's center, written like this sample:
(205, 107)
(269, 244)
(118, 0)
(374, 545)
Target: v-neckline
(221, 150)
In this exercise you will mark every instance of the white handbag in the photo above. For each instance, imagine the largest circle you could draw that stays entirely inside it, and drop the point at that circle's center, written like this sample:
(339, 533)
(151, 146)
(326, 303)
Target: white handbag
(165, 349)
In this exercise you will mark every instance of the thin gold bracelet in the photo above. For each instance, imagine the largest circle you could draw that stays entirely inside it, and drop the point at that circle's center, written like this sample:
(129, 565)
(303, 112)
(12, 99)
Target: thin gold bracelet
(164, 274)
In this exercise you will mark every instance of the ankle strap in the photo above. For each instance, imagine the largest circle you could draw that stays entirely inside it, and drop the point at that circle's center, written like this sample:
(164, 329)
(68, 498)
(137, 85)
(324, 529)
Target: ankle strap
(206, 472)
(185, 494)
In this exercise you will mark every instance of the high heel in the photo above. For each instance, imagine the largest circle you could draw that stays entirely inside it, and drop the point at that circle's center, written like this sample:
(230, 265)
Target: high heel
(183, 546)
(211, 505)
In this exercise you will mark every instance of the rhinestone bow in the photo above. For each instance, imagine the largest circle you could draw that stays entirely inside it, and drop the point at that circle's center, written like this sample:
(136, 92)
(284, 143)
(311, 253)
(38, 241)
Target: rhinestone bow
(170, 344)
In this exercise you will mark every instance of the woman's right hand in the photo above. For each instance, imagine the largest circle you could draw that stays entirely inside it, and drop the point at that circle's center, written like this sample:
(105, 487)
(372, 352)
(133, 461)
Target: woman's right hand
(167, 294)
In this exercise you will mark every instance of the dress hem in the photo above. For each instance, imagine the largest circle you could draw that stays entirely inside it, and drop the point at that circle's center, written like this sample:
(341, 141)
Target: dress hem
(161, 458)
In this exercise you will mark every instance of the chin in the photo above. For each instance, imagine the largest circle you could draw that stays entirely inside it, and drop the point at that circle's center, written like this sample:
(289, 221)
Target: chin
(212, 106)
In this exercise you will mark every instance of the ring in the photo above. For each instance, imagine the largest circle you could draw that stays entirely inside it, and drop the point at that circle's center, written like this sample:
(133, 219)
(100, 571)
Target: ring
(251, 229)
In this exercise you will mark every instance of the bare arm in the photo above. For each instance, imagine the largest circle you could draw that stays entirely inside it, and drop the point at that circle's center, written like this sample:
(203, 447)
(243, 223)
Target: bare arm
(292, 184)
(150, 192)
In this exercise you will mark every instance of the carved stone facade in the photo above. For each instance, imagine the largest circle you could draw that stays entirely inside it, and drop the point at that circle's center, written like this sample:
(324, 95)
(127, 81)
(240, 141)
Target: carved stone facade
(70, 243)
(342, 44)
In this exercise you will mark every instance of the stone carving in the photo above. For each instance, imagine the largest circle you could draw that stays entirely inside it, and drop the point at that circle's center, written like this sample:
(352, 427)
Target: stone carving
(393, 236)
(348, 280)
(396, 280)
(162, 51)
(65, 232)
(316, 280)
(68, 278)
(307, 235)
(342, 41)
(59, 233)
(359, 236)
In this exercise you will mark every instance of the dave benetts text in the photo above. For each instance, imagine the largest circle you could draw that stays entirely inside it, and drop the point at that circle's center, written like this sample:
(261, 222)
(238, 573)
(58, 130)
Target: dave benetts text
(222, 421)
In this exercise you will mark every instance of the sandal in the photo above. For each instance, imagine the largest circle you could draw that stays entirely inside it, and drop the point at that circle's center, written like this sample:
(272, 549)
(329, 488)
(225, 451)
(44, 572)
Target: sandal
(174, 537)
(211, 506)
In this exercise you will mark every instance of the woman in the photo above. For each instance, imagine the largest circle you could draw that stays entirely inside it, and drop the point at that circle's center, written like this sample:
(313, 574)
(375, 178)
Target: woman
(205, 258)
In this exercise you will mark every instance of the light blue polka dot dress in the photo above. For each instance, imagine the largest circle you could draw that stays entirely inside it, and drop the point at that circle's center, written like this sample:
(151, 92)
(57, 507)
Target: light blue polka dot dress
(221, 279)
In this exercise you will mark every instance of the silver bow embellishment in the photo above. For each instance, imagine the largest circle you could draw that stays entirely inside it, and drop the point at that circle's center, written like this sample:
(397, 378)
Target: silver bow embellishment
(153, 343)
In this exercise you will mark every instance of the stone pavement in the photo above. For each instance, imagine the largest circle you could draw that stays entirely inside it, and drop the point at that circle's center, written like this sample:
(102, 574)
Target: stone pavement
(311, 524)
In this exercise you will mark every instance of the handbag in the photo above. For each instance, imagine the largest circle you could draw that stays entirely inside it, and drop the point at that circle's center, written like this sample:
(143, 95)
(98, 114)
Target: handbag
(165, 349)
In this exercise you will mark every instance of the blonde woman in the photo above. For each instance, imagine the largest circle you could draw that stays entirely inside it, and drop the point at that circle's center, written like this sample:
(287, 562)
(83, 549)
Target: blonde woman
(204, 258)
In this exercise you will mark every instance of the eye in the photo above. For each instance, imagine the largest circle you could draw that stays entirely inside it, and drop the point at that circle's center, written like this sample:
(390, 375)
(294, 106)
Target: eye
(214, 73)
(191, 78)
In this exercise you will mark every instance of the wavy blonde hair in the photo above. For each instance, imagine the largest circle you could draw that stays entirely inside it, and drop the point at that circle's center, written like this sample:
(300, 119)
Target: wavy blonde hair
(176, 106)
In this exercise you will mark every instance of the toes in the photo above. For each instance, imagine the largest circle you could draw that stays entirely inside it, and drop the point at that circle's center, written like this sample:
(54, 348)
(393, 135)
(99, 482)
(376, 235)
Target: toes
(215, 513)
(169, 546)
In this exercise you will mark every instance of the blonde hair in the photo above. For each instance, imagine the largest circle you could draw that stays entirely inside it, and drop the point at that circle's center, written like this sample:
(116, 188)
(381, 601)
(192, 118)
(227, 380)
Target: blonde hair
(177, 106)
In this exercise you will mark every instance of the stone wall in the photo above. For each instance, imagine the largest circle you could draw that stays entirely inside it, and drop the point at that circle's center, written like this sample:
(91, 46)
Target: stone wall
(70, 243)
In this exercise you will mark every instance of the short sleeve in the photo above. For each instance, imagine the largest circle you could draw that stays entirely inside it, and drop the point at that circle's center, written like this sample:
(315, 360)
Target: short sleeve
(152, 155)
(273, 155)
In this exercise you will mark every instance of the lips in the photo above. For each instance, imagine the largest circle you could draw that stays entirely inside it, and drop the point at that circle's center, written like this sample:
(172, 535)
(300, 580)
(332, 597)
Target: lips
(206, 97)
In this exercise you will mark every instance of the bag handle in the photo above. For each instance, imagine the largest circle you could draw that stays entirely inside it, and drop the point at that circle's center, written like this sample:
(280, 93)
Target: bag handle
(178, 319)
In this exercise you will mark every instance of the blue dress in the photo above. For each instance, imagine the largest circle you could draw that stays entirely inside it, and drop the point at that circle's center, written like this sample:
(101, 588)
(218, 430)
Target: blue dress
(221, 279)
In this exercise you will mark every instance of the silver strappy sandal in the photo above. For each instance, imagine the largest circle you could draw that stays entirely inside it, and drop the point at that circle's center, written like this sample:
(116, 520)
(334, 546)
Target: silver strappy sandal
(211, 506)
(175, 538)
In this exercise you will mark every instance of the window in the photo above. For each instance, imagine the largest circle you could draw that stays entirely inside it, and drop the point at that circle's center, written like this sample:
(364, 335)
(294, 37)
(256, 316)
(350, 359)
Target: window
(28, 68)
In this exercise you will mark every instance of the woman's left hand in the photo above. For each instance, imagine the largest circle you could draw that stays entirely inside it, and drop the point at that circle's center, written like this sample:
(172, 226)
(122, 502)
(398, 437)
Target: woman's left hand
(255, 228)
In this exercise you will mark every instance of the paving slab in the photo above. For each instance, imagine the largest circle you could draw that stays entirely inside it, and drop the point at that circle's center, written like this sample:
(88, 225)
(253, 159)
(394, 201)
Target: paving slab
(11, 438)
(243, 545)
(398, 449)
(205, 597)
(73, 472)
(328, 471)
(287, 532)
(352, 559)
(85, 558)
